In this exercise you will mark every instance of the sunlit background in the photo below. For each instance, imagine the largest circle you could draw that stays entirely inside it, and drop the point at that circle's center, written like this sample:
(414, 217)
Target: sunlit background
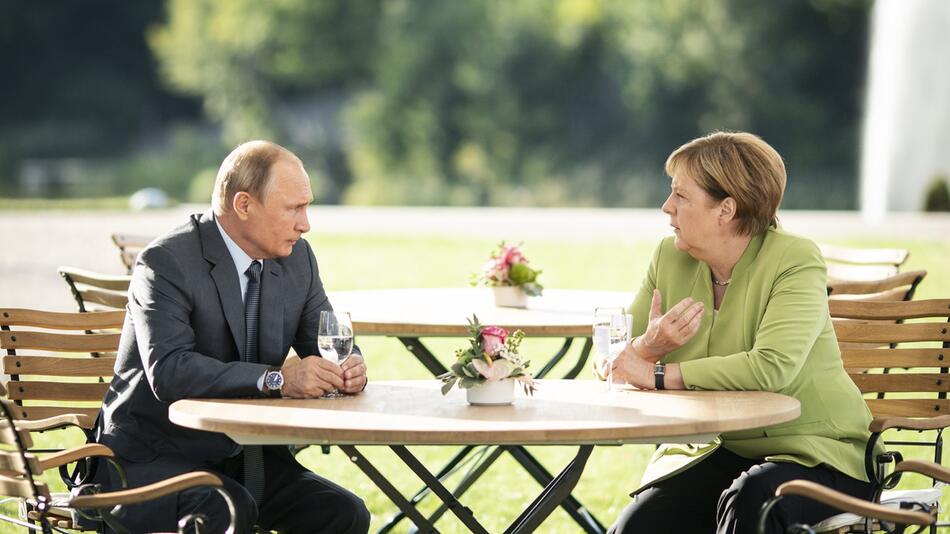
(528, 103)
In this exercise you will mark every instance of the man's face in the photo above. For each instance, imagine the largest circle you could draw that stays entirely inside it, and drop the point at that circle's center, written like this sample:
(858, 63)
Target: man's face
(274, 224)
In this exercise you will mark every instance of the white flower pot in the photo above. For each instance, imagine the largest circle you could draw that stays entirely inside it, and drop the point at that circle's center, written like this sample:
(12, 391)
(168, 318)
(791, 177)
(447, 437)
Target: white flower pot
(510, 297)
(497, 393)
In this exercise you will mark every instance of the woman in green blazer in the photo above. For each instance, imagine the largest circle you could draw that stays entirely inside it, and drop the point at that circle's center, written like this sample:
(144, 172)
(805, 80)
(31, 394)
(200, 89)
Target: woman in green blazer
(747, 309)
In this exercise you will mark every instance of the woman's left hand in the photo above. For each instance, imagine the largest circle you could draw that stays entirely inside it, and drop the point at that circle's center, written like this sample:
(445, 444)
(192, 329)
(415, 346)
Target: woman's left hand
(629, 367)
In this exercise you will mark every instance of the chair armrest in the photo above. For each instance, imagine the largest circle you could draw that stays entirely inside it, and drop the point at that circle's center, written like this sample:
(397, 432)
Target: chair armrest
(923, 467)
(146, 493)
(77, 453)
(847, 503)
(80, 420)
(880, 424)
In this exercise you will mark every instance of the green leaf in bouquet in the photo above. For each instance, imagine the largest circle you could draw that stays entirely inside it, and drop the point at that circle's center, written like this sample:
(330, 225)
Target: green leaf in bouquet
(532, 289)
(447, 386)
(520, 274)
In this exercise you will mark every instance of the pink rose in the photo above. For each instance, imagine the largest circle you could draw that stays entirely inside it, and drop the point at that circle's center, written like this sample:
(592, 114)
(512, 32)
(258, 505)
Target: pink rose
(496, 269)
(493, 339)
(512, 255)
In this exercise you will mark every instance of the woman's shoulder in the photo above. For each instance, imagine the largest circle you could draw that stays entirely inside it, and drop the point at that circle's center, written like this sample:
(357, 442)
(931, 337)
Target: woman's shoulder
(789, 247)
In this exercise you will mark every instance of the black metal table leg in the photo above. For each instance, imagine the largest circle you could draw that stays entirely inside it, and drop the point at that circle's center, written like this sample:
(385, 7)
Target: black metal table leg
(469, 479)
(581, 515)
(386, 487)
(424, 355)
(464, 514)
(553, 494)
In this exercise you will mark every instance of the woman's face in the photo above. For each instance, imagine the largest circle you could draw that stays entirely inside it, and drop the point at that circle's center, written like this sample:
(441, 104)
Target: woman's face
(694, 216)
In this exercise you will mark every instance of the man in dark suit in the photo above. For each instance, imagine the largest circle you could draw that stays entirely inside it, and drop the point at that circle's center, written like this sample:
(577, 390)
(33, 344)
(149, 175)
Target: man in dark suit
(214, 307)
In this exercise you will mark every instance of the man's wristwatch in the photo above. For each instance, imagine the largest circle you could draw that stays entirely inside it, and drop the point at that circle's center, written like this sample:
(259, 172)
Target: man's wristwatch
(659, 375)
(273, 382)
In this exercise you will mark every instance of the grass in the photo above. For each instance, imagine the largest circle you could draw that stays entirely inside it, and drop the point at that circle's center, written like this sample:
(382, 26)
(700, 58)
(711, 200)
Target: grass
(373, 261)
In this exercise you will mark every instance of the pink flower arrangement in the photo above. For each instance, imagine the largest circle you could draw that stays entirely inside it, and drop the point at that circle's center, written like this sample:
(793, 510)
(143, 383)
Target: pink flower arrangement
(492, 355)
(508, 266)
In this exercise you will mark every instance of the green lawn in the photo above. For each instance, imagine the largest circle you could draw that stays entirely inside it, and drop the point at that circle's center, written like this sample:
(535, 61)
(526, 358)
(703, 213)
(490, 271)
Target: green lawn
(373, 261)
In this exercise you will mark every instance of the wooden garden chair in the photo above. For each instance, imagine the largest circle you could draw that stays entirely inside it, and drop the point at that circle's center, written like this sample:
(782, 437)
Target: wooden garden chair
(59, 363)
(887, 516)
(96, 291)
(845, 263)
(900, 286)
(130, 245)
(905, 387)
(21, 473)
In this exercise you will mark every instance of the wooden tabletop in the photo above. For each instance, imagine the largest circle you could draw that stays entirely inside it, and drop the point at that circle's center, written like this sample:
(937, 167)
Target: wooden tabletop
(561, 412)
(443, 312)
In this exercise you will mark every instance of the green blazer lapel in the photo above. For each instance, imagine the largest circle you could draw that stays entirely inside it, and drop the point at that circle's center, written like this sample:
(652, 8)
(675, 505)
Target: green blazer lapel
(270, 335)
(225, 278)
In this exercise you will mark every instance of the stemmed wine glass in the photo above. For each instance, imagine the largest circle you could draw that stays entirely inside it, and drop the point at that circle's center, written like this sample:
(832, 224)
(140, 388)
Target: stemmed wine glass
(335, 340)
(611, 332)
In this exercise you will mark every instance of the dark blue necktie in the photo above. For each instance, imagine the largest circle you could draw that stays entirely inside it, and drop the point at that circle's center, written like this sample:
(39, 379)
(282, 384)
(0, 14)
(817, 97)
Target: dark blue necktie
(253, 454)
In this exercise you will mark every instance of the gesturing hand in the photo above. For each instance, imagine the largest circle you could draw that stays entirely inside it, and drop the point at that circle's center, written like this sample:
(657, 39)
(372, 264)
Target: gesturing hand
(668, 331)
(310, 377)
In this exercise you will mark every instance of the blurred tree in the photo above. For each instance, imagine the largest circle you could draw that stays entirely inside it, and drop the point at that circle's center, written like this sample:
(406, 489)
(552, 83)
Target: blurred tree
(243, 57)
(78, 80)
(580, 101)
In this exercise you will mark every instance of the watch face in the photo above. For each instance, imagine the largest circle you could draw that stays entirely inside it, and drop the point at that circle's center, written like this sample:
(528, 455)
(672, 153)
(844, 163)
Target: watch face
(274, 380)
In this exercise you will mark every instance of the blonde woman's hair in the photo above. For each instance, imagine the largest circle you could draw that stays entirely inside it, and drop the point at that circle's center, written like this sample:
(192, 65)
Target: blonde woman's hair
(738, 165)
(247, 168)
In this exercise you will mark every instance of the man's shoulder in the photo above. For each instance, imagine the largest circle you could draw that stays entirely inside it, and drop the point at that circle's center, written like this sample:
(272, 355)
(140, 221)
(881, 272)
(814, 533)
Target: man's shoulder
(181, 242)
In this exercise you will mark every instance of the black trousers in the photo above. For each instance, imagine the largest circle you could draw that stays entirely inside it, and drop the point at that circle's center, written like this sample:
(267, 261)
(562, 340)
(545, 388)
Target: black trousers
(295, 499)
(724, 493)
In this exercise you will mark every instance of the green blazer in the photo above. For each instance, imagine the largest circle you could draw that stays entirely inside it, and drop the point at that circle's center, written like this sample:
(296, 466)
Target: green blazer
(773, 333)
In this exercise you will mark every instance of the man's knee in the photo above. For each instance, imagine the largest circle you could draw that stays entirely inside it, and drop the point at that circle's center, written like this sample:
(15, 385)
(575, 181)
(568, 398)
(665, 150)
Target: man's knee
(209, 504)
(352, 512)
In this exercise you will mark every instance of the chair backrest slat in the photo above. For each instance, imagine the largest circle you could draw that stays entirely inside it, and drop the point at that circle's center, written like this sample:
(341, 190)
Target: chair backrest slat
(33, 412)
(891, 333)
(24, 317)
(18, 487)
(57, 366)
(909, 407)
(868, 358)
(110, 299)
(47, 341)
(901, 286)
(907, 383)
(58, 391)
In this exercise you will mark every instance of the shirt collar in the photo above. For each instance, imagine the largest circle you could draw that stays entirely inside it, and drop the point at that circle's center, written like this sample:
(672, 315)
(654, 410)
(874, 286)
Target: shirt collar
(241, 260)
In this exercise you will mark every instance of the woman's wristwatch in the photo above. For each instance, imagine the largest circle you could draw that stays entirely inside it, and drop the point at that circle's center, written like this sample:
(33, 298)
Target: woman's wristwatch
(659, 375)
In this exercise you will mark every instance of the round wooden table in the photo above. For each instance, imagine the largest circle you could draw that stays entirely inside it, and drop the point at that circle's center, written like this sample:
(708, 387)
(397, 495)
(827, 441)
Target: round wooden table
(444, 312)
(562, 412)
(414, 412)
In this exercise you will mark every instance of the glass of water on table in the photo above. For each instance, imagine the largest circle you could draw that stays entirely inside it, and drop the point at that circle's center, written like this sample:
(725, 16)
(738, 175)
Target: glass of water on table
(611, 333)
(335, 340)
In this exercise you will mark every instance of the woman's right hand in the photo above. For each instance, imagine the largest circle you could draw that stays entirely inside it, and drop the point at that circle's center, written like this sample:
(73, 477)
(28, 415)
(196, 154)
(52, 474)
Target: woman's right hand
(668, 331)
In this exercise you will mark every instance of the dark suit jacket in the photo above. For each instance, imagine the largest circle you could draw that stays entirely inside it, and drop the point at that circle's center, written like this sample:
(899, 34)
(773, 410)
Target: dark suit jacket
(184, 337)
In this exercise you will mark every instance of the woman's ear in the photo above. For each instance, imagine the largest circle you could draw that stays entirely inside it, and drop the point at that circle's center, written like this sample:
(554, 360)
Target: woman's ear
(727, 210)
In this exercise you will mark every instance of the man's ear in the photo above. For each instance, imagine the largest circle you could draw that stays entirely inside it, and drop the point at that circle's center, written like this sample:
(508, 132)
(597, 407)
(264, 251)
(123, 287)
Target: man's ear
(727, 210)
(241, 204)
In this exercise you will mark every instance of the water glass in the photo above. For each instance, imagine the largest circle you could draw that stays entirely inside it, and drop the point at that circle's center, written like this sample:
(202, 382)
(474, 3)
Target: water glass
(611, 333)
(335, 340)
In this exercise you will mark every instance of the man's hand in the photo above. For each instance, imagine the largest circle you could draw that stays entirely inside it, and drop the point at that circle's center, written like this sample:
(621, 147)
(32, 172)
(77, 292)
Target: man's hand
(310, 377)
(668, 331)
(354, 374)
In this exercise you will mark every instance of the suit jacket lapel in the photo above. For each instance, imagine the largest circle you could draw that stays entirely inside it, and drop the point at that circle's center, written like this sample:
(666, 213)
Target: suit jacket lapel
(224, 274)
(270, 334)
